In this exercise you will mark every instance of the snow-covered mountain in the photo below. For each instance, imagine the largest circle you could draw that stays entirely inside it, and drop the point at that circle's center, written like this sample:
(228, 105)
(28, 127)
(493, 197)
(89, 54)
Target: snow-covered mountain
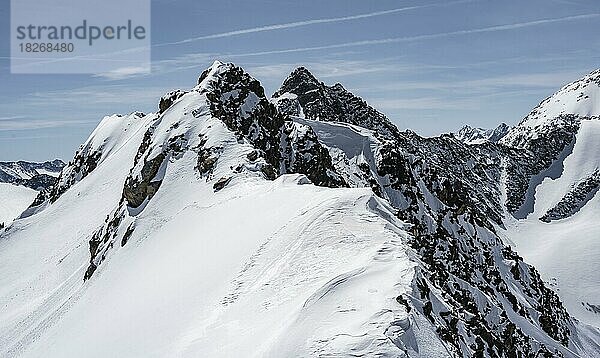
(476, 135)
(557, 229)
(228, 224)
(31, 174)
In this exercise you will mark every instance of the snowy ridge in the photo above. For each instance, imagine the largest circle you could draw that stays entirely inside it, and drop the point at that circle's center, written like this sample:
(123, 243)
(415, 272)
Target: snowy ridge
(449, 192)
(431, 244)
(579, 98)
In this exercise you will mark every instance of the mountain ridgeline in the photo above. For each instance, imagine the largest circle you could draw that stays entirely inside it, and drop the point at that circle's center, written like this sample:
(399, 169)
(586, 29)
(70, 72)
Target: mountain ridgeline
(37, 176)
(445, 203)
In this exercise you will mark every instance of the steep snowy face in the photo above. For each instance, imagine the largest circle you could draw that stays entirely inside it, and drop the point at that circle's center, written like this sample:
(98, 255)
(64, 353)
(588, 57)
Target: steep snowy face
(472, 135)
(580, 98)
(107, 138)
(557, 196)
(549, 133)
(562, 112)
(318, 101)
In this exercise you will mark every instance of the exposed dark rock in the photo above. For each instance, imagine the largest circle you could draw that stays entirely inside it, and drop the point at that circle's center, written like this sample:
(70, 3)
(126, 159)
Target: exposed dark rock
(221, 183)
(168, 99)
(84, 162)
(540, 152)
(239, 101)
(142, 187)
(333, 103)
(575, 199)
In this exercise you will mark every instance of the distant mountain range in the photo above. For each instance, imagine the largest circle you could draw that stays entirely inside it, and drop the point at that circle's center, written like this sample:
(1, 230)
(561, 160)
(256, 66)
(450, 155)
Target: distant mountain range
(307, 224)
(472, 135)
(31, 174)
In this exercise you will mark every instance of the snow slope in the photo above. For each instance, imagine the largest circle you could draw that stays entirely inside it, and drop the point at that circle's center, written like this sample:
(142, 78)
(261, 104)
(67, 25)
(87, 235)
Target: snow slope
(44, 256)
(566, 251)
(580, 97)
(230, 274)
(13, 200)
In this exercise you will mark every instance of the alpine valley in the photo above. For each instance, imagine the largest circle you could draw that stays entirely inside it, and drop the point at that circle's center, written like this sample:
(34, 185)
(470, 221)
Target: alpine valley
(306, 224)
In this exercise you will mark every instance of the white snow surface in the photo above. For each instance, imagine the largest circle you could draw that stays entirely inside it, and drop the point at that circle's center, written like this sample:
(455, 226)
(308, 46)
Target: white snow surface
(267, 268)
(216, 275)
(581, 98)
(566, 251)
(13, 200)
(43, 257)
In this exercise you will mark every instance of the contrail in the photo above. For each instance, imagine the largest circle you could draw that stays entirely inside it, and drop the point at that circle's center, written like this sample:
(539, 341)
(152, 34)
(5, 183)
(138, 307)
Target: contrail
(421, 37)
(306, 23)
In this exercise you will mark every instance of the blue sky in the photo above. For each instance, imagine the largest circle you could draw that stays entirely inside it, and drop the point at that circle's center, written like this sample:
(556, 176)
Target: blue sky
(431, 66)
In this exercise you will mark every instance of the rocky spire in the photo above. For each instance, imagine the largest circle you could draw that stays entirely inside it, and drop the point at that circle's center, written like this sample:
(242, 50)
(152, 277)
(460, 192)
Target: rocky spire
(333, 103)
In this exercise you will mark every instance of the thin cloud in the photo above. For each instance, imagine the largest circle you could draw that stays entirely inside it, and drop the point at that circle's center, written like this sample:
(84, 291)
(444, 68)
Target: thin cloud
(97, 96)
(427, 103)
(10, 118)
(422, 37)
(124, 72)
(189, 61)
(480, 86)
(29, 124)
(306, 23)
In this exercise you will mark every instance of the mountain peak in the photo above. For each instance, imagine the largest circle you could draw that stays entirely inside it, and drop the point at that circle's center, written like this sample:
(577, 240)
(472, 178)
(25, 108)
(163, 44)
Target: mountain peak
(299, 80)
(476, 135)
(561, 112)
(302, 73)
(317, 101)
(580, 98)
